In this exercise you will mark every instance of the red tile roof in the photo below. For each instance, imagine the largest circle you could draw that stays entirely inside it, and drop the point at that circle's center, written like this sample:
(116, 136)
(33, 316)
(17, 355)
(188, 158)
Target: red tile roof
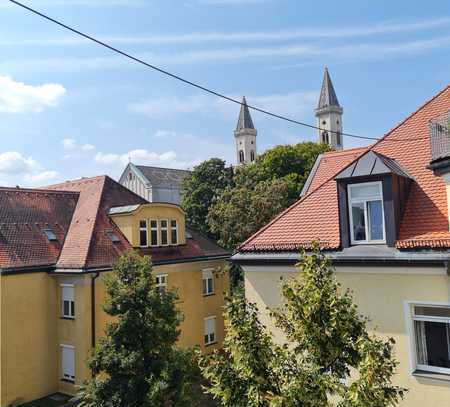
(24, 215)
(77, 212)
(315, 215)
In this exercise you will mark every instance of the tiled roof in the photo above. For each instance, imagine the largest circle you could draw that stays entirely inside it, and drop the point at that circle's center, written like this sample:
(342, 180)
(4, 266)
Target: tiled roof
(24, 215)
(77, 212)
(315, 215)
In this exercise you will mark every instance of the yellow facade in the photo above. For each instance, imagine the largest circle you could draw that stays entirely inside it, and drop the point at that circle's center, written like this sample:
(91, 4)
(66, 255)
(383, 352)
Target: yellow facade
(33, 329)
(382, 294)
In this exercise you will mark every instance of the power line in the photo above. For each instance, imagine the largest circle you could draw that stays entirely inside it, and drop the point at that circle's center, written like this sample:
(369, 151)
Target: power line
(188, 82)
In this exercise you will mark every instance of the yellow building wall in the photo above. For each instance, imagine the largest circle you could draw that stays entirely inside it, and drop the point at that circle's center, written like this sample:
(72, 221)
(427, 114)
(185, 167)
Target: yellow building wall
(129, 222)
(382, 298)
(28, 337)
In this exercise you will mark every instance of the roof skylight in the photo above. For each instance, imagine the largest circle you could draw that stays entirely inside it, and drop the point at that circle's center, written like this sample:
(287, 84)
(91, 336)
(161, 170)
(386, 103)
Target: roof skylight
(50, 235)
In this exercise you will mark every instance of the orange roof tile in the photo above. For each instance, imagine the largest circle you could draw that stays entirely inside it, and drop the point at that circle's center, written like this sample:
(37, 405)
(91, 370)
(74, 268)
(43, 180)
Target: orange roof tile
(315, 215)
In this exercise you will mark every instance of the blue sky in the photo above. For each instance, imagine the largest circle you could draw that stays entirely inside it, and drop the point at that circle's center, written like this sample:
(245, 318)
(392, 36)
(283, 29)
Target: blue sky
(69, 108)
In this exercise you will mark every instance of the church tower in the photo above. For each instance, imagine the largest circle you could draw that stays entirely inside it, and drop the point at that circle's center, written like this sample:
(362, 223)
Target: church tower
(329, 115)
(245, 136)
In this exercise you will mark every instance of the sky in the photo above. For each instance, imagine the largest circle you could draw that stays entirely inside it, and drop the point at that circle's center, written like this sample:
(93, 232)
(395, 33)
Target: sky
(70, 108)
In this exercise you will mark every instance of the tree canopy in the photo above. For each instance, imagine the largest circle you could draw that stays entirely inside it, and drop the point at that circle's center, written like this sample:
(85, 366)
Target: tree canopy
(201, 189)
(137, 363)
(260, 191)
(331, 359)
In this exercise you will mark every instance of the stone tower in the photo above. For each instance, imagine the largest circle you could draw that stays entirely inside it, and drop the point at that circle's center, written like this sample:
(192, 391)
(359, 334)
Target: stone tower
(245, 136)
(329, 115)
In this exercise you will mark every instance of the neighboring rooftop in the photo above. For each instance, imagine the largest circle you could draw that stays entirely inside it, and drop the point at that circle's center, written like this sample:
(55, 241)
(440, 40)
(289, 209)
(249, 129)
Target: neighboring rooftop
(77, 214)
(315, 216)
(157, 176)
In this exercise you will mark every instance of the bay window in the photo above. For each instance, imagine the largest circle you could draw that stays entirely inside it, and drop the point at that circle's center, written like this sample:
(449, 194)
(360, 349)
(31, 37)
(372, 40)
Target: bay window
(164, 233)
(366, 213)
(143, 233)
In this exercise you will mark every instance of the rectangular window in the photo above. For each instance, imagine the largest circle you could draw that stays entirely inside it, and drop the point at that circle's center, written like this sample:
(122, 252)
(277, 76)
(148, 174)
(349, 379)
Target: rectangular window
(153, 233)
(208, 282)
(143, 233)
(161, 282)
(431, 327)
(173, 232)
(68, 363)
(67, 301)
(366, 213)
(164, 233)
(210, 330)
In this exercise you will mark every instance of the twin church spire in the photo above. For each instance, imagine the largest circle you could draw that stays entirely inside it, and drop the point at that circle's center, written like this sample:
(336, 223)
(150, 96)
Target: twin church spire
(329, 122)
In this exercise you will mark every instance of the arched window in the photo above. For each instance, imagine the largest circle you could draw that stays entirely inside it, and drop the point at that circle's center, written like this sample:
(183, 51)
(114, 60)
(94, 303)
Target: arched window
(241, 156)
(325, 138)
(252, 155)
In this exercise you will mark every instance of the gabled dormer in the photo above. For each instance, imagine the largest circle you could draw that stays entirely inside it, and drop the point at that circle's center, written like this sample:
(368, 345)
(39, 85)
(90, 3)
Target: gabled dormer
(372, 192)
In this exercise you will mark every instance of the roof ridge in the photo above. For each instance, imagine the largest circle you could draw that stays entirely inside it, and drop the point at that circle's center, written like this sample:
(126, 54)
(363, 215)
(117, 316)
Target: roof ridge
(91, 234)
(78, 180)
(160, 168)
(37, 190)
(344, 152)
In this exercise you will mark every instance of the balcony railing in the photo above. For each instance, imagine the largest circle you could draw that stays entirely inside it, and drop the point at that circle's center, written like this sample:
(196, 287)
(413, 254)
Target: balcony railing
(440, 137)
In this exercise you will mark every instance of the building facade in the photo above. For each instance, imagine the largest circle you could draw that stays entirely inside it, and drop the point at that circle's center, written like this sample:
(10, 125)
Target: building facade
(154, 184)
(385, 226)
(57, 245)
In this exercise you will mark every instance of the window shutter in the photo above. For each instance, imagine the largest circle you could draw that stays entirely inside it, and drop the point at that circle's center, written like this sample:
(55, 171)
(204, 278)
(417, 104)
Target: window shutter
(67, 293)
(68, 362)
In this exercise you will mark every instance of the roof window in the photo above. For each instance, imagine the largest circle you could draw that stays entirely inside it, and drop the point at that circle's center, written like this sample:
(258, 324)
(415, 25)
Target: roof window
(50, 235)
(112, 236)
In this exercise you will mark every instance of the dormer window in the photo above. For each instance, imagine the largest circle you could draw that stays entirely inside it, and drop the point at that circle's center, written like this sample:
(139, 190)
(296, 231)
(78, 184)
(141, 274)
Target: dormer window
(366, 213)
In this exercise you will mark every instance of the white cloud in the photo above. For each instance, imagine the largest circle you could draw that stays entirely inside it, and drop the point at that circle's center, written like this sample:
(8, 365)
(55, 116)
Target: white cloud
(68, 143)
(167, 106)
(16, 168)
(289, 104)
(384, 27)
(41, 177)
(142, 156)
(17, 97)
(87, 147)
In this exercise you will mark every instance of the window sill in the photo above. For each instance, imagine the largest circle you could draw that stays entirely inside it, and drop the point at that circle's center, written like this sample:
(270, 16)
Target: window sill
(209, 295)
(68, 381)
(432, 375)
(68, 318)
(210, 344)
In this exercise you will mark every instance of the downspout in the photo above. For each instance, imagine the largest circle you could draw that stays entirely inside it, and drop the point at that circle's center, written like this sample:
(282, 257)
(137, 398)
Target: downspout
(94, 277)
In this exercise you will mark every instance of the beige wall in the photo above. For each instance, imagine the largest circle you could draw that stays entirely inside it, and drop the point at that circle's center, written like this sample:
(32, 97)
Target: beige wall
(381, 294)
(28, 337)
(129, 222)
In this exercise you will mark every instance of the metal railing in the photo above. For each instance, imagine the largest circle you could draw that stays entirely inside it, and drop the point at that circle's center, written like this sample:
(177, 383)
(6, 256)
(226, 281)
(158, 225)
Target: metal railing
(440, 137)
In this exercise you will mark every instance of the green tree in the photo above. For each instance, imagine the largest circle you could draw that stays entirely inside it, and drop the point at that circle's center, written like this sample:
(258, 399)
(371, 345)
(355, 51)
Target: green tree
(201, 189)
(260, 191)
(137, 363)
(328, 341)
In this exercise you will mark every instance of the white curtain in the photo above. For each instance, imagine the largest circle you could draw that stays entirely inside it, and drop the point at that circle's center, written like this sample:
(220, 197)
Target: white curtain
(421, 343)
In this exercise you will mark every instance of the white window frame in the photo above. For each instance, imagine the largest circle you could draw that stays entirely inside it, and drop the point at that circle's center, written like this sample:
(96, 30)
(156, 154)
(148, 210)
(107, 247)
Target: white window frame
(166, 229)
(350, 214)
(152, 229)
(410, 317)
(143, 229)
(205, 333)
(71, 314)
(207, 274)
(66, 375)
(162, 286)
(172, 229)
